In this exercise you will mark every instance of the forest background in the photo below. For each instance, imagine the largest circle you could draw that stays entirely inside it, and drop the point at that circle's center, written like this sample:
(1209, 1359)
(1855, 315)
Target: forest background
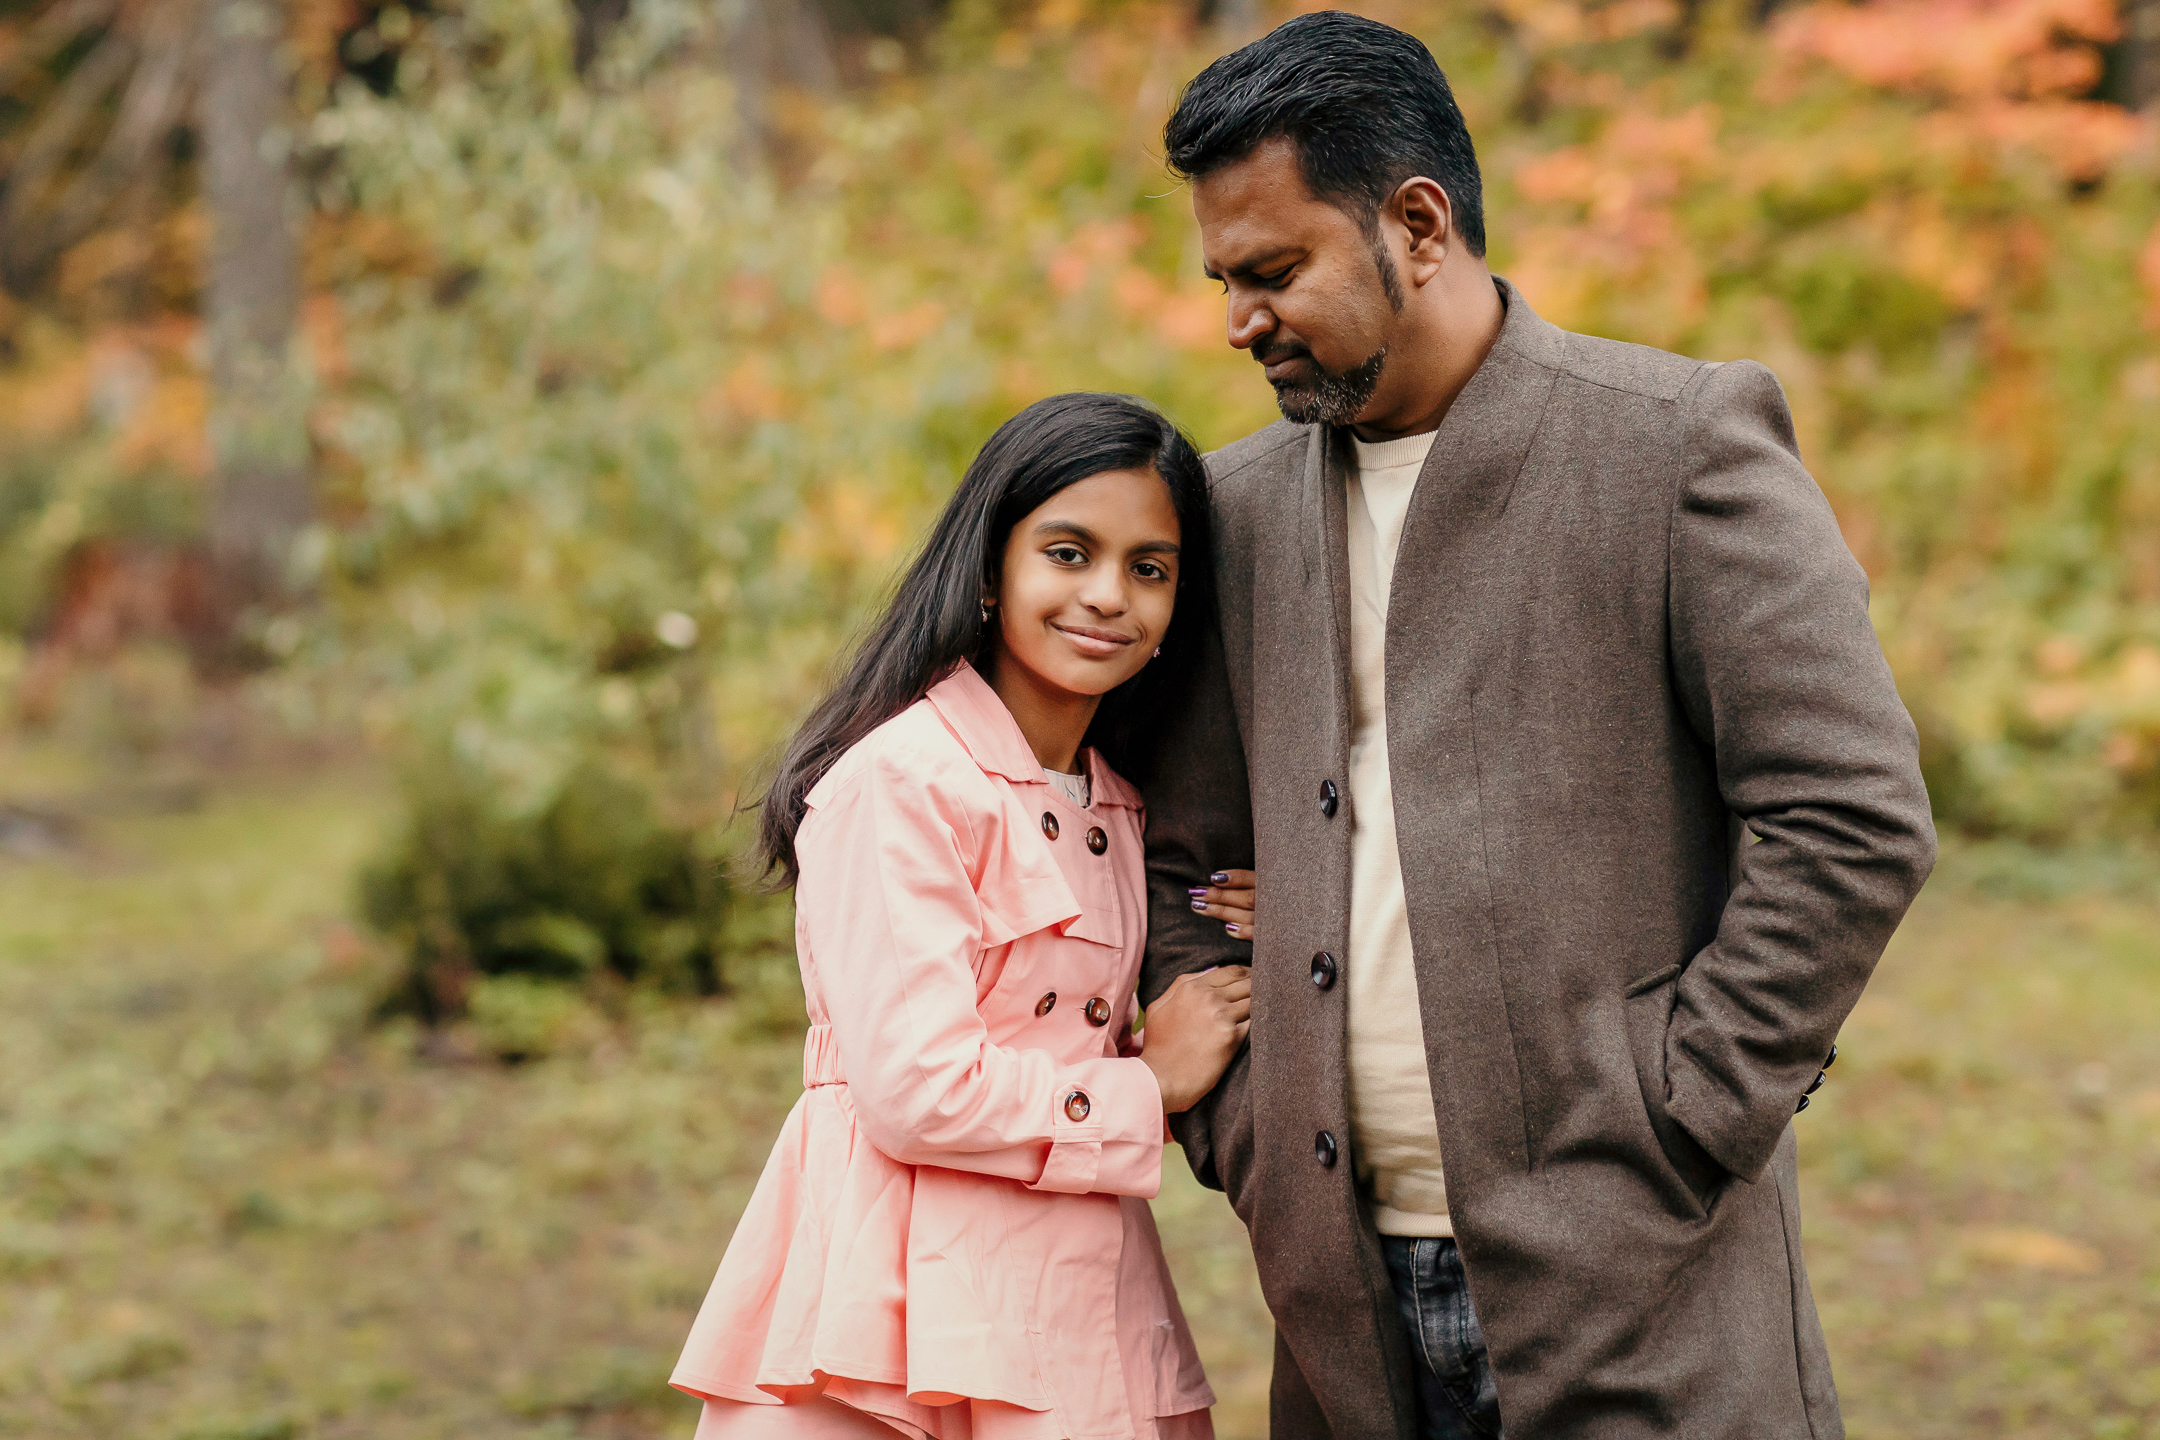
(443, 446)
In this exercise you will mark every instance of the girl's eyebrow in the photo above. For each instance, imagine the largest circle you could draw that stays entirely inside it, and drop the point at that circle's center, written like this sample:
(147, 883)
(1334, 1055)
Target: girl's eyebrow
(1089, 537)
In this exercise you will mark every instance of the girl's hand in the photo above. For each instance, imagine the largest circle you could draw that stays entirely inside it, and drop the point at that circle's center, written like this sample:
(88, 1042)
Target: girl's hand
(1193, 1030)
(1228, 897)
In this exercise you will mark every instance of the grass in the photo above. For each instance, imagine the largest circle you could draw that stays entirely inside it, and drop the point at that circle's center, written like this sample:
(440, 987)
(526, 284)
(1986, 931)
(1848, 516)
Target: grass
(232, 1207)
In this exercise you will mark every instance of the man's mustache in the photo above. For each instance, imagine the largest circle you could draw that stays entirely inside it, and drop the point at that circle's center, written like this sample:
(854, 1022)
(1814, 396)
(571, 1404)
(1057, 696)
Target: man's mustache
(1267, 352)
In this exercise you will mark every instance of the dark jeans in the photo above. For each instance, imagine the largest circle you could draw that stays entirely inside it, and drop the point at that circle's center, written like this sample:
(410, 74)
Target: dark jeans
(1456, 1398)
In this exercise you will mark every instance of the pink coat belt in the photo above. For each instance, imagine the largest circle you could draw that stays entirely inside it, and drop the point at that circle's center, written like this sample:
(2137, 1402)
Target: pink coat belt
(821, 1058)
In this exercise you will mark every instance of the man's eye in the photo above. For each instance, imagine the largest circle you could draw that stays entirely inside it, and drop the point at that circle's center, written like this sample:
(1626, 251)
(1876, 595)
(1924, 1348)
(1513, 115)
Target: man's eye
(1276, 281)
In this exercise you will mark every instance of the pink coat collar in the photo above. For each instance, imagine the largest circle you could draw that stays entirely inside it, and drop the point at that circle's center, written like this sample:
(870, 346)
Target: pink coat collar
(992, 738)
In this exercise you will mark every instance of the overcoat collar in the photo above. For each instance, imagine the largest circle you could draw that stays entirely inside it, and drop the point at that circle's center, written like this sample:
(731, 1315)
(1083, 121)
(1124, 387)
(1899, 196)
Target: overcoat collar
(1468, 475)
(979, 720)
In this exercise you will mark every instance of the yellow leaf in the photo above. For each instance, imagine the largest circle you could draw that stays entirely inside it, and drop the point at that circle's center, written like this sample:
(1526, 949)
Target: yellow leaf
(2032, 1250)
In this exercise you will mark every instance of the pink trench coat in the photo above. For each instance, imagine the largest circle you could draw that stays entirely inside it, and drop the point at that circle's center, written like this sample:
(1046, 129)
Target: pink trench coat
(953, 1229)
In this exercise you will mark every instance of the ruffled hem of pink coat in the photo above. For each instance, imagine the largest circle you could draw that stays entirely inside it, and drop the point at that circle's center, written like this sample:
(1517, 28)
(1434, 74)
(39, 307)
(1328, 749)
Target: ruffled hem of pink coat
(844, 1280)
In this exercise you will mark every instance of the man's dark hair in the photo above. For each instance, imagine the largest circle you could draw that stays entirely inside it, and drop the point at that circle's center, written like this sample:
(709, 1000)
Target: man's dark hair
(1365, 105)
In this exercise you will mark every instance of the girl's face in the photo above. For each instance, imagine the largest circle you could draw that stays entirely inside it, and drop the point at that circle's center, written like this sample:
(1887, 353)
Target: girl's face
(1088, 582)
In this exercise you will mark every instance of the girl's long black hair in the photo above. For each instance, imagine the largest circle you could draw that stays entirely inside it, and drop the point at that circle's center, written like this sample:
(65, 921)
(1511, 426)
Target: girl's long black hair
(935, 617)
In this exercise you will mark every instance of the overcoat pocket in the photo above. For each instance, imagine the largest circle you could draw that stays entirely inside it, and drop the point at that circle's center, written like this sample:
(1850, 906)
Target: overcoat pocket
(1649, 1008)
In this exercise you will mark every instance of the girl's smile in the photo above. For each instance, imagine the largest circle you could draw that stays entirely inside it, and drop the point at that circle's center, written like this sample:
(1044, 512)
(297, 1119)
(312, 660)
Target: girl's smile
(1097, 644)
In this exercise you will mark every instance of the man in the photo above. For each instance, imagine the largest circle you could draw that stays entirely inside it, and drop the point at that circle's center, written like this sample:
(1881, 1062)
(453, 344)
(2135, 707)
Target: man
(1548, 711)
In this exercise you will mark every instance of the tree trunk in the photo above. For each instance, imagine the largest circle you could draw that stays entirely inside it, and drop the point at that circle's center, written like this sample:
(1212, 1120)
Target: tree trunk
(595, 18)
(1234, 21)
(776, 42)
(2141, 53)
(258, 428)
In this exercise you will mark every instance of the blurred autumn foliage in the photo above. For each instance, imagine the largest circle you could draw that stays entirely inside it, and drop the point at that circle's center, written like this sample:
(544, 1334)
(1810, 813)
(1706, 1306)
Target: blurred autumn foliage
(625, 400)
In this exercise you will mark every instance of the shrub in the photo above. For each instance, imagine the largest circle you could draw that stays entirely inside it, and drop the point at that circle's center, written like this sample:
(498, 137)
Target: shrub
(596, 887)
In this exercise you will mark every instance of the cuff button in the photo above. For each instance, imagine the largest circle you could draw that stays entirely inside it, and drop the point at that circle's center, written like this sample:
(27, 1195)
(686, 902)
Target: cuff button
(1077, 1107)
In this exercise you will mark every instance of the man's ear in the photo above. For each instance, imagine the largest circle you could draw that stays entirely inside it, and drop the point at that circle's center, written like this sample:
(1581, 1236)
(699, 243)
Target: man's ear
(1426, 214)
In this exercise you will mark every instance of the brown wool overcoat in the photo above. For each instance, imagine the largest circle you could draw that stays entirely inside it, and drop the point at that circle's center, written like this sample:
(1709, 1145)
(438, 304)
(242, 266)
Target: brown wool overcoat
(1659, 810)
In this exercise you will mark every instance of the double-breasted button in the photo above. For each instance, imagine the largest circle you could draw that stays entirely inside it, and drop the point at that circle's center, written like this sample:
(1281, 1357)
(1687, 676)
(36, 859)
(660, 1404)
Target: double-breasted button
(1816, 1083)
(1048, 1003)
(1323, 1150)
(1049, 824)
(1097, 841)
(1330, 797)
(1323, 971)
(1801, 1106)
(1097, 1011)
(1831, 1058)
(1077, 1107)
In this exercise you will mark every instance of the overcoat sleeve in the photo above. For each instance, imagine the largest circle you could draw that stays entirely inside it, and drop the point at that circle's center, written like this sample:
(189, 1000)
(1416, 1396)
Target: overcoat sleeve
(1199, 820)
(894, 926)
(1780, 673)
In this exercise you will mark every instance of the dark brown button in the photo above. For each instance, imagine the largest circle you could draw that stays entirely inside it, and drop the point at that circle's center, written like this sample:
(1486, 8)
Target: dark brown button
(1077, 1107)
(1048, 1003)
(1323, 970)
(1328, 798)
(1097, 1011)
(1801, 1106)
(1097, 841)
(1323, 1150)
(1049, 824)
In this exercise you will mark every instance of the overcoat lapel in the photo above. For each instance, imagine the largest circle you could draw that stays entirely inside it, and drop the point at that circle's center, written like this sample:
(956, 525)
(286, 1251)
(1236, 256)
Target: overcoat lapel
(1435, 664)
(1301, 697)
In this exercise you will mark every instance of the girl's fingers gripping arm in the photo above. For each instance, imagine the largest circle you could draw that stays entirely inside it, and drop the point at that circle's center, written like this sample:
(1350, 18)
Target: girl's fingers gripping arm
(1229, 896)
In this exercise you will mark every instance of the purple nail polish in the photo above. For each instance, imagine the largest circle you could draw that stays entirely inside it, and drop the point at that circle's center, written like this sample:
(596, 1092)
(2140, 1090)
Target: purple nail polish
(1220, 877)
(1231, 928)
(1199, 905)
(1197, 891)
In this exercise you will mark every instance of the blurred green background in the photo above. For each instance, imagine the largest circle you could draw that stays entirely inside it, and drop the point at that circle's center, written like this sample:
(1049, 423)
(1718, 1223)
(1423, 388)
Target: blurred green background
(443, 446)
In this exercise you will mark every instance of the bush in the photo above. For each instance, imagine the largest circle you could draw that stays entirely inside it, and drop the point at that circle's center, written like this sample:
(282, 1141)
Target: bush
(595, 888)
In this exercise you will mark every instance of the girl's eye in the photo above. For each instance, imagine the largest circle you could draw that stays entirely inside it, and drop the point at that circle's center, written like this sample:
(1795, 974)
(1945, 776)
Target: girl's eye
(1149, 570)
(1067, 554)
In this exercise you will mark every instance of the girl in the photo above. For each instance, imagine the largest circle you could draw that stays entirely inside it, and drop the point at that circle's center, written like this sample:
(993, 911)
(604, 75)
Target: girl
(952, 1237)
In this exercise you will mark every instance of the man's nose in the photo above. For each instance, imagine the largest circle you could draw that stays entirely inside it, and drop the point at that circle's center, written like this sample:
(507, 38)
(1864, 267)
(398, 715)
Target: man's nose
(1250, 319)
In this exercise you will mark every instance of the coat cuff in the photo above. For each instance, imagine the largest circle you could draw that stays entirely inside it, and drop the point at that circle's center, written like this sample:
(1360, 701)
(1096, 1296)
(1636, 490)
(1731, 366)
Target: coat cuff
(1739, 1137)
(1105, 1131)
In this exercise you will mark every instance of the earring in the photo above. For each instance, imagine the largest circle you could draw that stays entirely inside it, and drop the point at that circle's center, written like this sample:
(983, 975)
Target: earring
(985, 612)
(1158, 652)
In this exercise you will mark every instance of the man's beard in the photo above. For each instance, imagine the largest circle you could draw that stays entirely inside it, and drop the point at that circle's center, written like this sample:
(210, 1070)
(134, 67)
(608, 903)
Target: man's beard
(1334, 397)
